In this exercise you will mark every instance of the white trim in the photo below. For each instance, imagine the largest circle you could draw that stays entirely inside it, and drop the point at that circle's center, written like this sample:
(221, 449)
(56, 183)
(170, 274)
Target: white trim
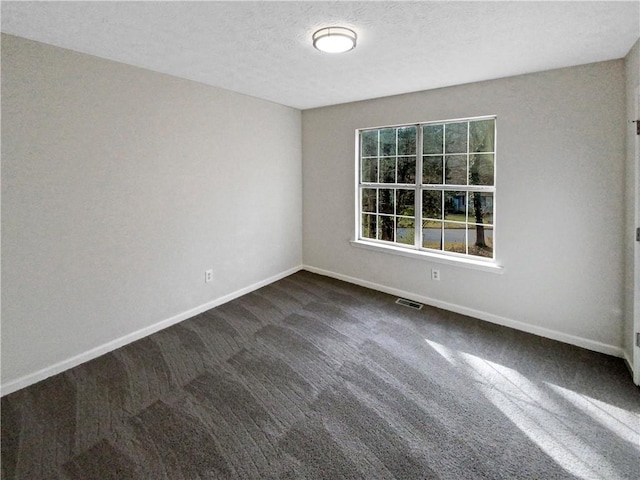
(627, 361)
(76, 360)
(460, 261)
(635, 359)
(430, 122)
(489, 317)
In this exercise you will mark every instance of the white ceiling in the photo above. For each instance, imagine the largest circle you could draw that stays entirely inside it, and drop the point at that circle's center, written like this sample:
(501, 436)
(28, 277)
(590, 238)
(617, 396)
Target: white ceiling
(264, 48)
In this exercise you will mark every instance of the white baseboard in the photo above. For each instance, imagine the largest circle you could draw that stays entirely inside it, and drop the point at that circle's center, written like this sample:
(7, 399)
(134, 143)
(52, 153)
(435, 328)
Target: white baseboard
(30, 379)
(489, 317)
(628, 361)
(76, 360)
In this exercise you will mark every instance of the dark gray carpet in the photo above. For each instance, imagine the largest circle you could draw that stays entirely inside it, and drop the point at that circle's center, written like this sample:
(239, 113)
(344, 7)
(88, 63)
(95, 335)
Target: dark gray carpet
(318, 379)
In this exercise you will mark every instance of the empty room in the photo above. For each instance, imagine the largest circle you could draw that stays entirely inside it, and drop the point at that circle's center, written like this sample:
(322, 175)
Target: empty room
(320, 240)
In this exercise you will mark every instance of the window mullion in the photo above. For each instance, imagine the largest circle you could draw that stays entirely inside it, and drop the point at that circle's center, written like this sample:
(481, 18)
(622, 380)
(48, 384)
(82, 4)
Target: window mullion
(377, 189)
(467, 195)
(444, 181)
(395, 191)
(418, 189)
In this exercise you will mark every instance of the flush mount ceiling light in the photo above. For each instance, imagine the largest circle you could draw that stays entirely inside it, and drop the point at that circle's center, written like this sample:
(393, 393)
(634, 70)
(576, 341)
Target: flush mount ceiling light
(334, 39)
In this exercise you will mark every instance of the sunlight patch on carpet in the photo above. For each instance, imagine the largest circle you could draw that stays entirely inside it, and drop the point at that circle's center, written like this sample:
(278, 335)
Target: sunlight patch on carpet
(623, 423)
(545, 421)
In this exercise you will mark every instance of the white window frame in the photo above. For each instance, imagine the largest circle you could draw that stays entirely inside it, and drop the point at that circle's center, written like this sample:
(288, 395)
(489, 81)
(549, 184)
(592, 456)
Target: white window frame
(417, 250)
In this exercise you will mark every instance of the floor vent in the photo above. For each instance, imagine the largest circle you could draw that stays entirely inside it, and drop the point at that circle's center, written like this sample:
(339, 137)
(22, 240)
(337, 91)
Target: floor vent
(409, 303)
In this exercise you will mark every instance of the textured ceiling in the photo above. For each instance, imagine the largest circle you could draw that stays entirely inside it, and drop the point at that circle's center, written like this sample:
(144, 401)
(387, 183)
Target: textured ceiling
(264, 48)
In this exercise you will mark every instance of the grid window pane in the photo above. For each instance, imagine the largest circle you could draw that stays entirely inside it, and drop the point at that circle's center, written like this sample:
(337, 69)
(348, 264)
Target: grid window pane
(481, 207)
(407, 170)
(432, 139)
(432, 204)
(405, 230)
(455, 137)
(455, 238)
(386, 200)
(369, 170)
(386, 228)
(480, 240)
(388, 142)
(405, 202)
(369, 225)
(407, 141)
(482, 135)
(432, 234)
(369, 143)
(432, 170)
(388, 170)
(455, 206)
(369, 200)
(455, 169)
(481, 169)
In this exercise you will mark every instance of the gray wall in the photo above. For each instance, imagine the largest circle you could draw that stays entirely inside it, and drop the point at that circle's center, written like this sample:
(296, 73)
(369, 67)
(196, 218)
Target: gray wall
(560, 166)
(632, 198)
(120, 187)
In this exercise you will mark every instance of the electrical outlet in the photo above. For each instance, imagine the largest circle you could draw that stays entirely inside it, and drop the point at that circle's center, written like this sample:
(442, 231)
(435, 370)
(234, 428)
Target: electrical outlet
(208, 276)
(435, 274)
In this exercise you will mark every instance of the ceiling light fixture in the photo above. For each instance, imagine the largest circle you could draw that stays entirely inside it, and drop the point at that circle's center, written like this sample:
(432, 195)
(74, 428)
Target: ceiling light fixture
(334, 39)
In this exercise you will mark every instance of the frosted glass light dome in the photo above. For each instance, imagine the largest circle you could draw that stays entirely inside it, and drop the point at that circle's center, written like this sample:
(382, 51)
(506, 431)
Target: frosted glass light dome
(334, 39)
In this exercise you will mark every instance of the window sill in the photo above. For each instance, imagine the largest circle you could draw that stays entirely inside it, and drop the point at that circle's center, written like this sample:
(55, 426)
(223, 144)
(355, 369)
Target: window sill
(486, 266)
